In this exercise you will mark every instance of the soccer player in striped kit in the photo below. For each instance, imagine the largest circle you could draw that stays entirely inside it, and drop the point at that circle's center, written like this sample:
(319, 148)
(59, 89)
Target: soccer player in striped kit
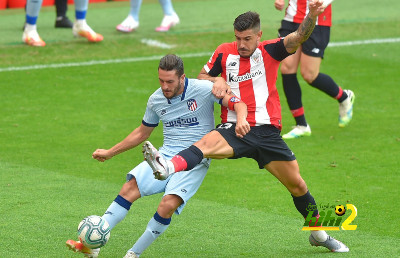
(250, 67)
(309, 57)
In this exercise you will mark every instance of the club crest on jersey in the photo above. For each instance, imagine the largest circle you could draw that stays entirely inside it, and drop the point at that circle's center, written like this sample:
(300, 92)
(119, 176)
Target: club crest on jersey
(192, 105)
(256, 57)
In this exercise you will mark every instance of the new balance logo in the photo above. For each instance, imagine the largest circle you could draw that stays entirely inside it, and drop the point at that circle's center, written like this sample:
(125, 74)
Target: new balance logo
(155, 232)
(315, 50)
(232, 64)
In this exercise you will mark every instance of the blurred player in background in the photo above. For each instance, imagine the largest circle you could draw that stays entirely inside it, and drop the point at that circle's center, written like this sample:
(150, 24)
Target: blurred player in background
(131, 22)
(185, 108)
(249, 68)
(62, 20)
(80, 28)
(309, 56)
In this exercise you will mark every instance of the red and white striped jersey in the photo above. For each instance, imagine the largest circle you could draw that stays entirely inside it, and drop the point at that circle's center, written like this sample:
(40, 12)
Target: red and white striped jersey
(297, 10)
(253, 79)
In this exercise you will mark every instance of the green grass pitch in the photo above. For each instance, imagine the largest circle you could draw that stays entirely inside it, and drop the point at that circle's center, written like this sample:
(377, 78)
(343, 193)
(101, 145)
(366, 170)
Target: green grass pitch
(52, 119)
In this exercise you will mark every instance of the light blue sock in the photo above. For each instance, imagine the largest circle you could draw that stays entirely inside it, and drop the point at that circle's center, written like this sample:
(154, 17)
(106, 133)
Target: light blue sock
(156, 226)
(167, 7)
(32, 11)
(135, 9)
(81, 7)
(117, 211)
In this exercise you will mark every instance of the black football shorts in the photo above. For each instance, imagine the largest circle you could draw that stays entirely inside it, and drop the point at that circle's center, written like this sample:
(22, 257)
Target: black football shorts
(263, 144)
(317, 42)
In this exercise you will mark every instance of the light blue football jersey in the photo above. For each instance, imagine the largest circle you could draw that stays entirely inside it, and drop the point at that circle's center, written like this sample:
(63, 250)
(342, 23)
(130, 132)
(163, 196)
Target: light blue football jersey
(186, 118)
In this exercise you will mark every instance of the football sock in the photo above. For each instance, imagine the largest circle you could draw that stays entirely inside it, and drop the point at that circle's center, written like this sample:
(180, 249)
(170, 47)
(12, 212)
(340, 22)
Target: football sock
(81, 7)
(191, 156)
(32, 11)
(135, 9)
(156, 226)
(292, 90)
(341, 95)
(117, 211)
(167, 7)
(326, 84)
(305, 203)
(319, 235)
(61, 8)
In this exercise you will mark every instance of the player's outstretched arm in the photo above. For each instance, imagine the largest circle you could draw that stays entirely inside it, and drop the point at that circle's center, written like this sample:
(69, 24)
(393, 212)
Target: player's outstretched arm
(135, 138)
(220, 87)
(295, 39)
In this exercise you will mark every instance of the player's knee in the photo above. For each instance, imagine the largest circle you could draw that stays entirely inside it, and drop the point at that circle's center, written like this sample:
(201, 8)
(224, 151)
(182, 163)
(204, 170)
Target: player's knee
(130, 190)
(309, 76)
(298, 188)
(168, 205)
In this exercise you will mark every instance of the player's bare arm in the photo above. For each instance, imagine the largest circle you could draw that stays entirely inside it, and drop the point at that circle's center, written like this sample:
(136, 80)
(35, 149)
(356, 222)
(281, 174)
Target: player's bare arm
(295, 39)
(135, 138)
(220, 87)
(233, 102)
(279, 4)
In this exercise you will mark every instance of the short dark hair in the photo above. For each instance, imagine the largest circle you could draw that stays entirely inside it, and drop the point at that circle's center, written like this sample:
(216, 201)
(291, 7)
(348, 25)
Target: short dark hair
(248, 20)
(172, 62)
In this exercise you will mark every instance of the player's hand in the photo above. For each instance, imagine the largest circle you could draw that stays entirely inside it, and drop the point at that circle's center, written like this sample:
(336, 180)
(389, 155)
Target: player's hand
(242, 128)
(279, 4)
(220, 88)
(316, 7)
(101, 155)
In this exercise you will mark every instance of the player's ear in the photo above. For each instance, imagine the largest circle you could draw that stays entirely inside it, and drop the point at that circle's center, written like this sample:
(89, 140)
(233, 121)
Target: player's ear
(182, 78)
(259, 34)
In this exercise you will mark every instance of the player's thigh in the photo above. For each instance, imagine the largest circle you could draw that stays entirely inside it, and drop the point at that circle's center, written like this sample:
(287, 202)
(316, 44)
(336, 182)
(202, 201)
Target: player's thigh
(145, 180)
(309, 67)
(214, 146)
(288, 173)
(290, 64)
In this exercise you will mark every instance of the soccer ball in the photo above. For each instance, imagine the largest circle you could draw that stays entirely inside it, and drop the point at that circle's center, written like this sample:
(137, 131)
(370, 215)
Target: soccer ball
(340, 210)
(93, 231)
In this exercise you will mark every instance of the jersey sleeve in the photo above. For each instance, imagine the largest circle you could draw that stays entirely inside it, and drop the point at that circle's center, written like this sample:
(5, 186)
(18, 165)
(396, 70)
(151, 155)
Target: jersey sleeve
(214, 66)
(204, 87)
(276, 49)
(150, 118)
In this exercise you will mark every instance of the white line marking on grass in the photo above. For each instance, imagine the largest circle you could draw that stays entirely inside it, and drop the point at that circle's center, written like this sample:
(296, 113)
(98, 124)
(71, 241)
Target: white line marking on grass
(156, 43)
(190, 55)
(363, 42)
(97, 62)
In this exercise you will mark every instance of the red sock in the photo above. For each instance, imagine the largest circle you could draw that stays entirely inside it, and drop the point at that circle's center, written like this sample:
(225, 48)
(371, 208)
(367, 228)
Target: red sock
(339, 95)
(179, 162)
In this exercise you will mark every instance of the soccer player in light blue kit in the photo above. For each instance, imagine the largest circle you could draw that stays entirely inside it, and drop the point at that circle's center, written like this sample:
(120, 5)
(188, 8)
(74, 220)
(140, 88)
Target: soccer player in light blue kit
(131, 22)
(185, 108)
(80, 27)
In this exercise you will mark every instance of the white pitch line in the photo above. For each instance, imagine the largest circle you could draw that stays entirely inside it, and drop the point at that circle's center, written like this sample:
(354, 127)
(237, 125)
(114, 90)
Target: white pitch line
(97, 62)
(156, 43)
(190, 55)
(363, 42)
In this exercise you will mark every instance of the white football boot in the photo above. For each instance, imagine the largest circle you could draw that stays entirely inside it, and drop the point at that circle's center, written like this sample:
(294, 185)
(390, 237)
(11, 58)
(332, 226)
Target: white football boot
(128, 25)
